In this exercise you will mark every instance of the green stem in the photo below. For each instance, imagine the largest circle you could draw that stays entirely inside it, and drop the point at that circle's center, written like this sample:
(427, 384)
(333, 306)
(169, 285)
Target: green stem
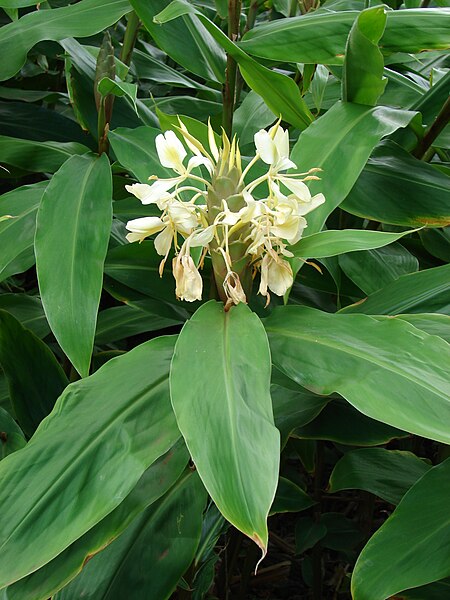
(251, 20)
(229, 91)
(129, 38)
(423, 148)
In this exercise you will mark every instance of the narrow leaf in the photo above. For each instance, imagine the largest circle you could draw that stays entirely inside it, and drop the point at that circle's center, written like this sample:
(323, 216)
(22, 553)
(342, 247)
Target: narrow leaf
(73, 226)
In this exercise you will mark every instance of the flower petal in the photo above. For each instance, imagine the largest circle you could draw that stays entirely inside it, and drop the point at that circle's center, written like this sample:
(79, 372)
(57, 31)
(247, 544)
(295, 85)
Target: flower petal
(265, 147)
(171, 151)
(143, 227)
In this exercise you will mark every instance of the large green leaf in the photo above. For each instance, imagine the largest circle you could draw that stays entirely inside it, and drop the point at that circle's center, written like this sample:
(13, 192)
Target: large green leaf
(422, 292)
(413, 193)
(17, 234)
(78, 20)
(331, 243)
(28, 310)
(85, 457)
(135, 150)
(149, 558)
(434, 324)
(239, 458)
(35, 378)
(296, 39)
(362, 77)
(37, 156)
(339, 422)
(371, 270)
(72, 234)
(386, 473)
(121, 322)
(411, 548)
(187, 40)
(340, 142)
(387, 369)
(155, 481)
(279, 92)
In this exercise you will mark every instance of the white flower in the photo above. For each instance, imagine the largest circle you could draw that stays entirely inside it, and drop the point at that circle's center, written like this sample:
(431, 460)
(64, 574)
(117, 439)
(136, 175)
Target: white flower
(155, 193)
(189, 284)
(171, 151)
(182, 216)
(143, 227)
(276, 274)
(273, 148)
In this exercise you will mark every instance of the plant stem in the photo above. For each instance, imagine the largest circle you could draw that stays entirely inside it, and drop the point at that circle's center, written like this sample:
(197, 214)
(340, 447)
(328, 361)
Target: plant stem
(234, 13)
(129, 38)
(425, 3)
(422, 150)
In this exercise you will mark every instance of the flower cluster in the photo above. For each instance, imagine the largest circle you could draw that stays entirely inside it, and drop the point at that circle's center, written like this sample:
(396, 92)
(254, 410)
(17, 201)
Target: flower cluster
(219, 212)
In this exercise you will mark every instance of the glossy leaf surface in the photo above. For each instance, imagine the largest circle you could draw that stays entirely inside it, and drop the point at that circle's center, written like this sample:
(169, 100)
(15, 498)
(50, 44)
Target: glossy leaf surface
(17, 234)
(340, 142)
(78, 20)
(410, 548)
(424, 291)
(148, 559)
(74, 218)
(388, 370)
(85, 457)
(363, 81)
(238, 460)
(386, 473)
(155, 481)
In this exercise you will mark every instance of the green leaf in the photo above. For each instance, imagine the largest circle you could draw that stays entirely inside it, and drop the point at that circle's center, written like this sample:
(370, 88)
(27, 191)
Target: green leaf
(148, 559)
(251, 116)
(410, 548)
(371, 270)
(155, 481)
(437, 242)
(28, 310)
(85, 457)
(332, 243)
(121, 322)
(187, 41)
(135, 150)
(11, 436)
(290, 498)
(239, 459)
(279, 92)
(17, 234)
(308, 533)
(386, 473)
(434, 324)
(72, 234)
(33, 122)
(82, 19)
(107, 86)
(37, 156)
(137, 267)
(388, 370)
(35, 378)
(339, 422)
(294, 407)
(296, 39)
(413, 192)
(362, 77)
(340, 142)
(424, 291)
